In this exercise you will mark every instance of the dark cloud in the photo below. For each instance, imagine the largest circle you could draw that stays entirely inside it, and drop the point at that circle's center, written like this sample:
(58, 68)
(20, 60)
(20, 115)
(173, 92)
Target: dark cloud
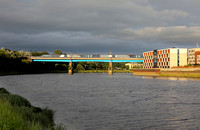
(98, 25)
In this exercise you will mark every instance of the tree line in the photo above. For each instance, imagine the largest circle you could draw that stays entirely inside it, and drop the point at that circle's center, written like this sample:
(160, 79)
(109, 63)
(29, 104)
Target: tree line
(17, 62)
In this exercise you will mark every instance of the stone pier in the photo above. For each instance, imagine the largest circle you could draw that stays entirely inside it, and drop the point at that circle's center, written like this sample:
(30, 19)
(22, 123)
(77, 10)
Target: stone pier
(70, 68)
(110, 69)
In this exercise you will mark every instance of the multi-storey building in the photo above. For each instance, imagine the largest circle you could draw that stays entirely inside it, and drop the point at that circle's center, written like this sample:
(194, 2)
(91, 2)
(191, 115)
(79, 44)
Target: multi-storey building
(165, 58)
(194, 56)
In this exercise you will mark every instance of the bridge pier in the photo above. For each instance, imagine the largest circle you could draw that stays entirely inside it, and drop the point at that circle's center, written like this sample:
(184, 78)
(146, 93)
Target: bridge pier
(70, 68)
(110, 69)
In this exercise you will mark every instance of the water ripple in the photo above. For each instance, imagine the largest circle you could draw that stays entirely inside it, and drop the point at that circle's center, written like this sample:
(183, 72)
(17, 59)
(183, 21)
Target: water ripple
(117, 102)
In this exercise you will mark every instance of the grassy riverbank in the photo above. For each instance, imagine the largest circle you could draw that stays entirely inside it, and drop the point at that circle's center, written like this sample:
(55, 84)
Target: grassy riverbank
(21, 73)
(102, 71)
(58, 71)
(16, 112)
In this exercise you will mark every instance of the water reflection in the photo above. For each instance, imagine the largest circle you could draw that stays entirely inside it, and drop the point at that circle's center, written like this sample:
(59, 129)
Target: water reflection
(171, 78)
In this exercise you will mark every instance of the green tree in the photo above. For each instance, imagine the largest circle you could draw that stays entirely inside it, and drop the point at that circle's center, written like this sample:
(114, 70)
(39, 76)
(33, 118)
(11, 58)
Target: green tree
(62, 67)
(3, 54)
(105, 65)
(44, 53)
(92, 66)
(80, 67)
(35, 53)
(21, 54)
(57, 52)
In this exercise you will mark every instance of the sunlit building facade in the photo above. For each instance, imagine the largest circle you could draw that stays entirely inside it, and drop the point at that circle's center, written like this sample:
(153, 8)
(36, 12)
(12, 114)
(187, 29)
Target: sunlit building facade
(165, 58)
(194, 56)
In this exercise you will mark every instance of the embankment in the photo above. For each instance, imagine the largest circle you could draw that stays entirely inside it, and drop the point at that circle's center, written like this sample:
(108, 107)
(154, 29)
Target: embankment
(17, 112)
(169, 72)
(102, 71)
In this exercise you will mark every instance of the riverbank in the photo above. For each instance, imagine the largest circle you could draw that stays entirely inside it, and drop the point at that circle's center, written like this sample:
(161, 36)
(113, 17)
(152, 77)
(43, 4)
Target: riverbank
(102, 71)
(21, 73)
(57, 71)
(169, 72)
(17, 112)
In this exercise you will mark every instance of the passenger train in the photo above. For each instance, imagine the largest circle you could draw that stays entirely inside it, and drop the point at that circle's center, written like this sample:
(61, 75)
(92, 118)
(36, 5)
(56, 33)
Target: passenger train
(94, 56)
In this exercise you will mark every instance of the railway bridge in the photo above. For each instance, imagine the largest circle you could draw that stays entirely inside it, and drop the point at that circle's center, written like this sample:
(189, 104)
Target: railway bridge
(70, 59)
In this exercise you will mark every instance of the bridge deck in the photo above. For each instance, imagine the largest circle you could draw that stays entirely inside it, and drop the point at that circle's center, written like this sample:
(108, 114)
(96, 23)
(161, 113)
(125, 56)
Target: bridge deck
(78, 59)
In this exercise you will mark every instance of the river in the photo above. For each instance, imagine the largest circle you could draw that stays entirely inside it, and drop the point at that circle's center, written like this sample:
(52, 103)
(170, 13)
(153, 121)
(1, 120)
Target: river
(118, 102)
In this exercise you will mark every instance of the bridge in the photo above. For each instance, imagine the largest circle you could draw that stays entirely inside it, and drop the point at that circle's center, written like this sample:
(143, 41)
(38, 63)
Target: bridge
(75, 58)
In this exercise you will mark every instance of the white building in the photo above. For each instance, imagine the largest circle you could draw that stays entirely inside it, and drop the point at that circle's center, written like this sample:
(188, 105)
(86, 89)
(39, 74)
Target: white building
(165, 58)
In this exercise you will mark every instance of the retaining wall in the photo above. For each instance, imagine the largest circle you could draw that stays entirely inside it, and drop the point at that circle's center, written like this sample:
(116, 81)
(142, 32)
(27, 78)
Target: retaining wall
(169, 72)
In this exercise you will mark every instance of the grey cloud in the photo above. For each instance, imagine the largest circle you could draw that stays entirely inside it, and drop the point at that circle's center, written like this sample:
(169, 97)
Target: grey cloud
(94, 24)
(181, 34)
(79, 15)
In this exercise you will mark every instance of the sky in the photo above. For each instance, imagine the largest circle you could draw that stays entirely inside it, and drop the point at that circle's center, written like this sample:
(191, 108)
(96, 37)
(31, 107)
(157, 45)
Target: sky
(98, 26)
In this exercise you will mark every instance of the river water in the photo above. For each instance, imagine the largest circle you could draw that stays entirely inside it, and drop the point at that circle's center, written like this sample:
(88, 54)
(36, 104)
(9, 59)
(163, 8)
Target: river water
(117, 102)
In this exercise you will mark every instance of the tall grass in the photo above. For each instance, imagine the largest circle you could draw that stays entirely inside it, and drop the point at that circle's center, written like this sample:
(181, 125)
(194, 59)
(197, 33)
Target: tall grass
(16, 112)
(10, 119)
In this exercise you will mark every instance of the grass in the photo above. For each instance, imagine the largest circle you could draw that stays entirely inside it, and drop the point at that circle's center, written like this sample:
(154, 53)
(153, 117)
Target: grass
(10, 119)
(16, 112)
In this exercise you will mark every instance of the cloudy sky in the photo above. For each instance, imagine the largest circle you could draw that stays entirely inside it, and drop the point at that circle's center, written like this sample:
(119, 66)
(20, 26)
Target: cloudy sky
(98, 26)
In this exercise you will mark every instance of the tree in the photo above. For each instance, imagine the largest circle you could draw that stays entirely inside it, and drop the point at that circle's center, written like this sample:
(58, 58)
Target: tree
(105, 65)
(62, 67)
(21, 54)
(35, 53)
(44, 53)
(80, 67)
(57, 52)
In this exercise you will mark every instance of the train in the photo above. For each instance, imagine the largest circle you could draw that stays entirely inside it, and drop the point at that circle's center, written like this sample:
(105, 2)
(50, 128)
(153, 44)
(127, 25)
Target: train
(95, 56)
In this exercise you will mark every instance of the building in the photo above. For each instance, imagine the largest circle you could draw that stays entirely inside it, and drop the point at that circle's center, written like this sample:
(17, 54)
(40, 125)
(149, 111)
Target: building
(134, 65)
(194, 56)
(165, 58)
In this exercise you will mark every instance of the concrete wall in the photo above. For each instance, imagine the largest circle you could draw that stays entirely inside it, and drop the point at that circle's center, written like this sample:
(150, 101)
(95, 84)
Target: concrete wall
(182, 57)
(169, 72)
(180, 69)
(173, 57)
